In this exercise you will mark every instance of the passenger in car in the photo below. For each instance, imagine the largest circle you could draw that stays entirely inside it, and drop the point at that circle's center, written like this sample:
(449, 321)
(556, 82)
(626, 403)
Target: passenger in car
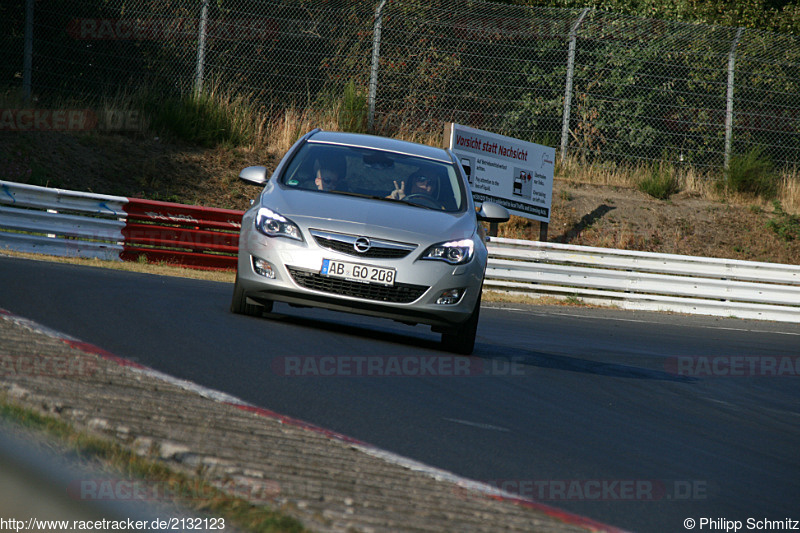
(420, 184)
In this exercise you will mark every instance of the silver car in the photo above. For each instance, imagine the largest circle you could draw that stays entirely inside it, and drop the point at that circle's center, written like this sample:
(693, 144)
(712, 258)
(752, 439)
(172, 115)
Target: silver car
(370, 225)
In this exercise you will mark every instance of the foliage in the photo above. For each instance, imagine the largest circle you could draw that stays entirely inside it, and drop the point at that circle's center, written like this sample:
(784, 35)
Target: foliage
(661, 182)
(353, 109)
(209, 118)
(420, 65)
(771, 15)
(786, 226)
(191, 492)
(752, 172)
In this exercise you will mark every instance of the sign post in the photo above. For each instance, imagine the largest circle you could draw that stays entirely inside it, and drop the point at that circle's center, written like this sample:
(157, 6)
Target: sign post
(515, 174)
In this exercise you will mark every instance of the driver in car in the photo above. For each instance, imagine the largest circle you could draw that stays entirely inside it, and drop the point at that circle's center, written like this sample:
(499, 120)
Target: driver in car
(329, 174)
(327, 179)
(420, 185)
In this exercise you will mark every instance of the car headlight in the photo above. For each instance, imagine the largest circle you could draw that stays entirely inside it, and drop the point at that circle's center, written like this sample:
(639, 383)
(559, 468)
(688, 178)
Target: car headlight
(274, 224)
(453, 252)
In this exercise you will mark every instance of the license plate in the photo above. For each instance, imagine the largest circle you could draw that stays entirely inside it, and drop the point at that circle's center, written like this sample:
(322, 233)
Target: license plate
(357, 272)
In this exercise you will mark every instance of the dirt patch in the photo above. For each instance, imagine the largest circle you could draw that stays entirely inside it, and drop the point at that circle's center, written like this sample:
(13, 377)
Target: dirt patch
(625, 218)
(144, 166)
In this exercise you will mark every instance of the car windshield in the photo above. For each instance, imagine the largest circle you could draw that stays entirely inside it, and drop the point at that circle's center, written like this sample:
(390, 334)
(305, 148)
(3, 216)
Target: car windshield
(376, 174)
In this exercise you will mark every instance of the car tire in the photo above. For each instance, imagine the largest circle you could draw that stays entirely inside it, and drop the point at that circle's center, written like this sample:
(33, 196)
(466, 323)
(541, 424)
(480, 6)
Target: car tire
(461, 339)
(240, 306)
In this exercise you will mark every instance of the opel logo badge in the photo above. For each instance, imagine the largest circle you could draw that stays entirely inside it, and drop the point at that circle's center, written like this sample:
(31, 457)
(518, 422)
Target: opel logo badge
(362, 245)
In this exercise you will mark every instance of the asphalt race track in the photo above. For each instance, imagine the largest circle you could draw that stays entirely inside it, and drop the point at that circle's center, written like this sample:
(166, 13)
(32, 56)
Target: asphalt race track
(639, 420)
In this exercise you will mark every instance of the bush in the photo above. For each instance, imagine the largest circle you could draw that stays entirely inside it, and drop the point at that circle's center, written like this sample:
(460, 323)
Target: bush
(660, 182)
(786, 226)
(752, 173)
(209, 118)
(353, 110)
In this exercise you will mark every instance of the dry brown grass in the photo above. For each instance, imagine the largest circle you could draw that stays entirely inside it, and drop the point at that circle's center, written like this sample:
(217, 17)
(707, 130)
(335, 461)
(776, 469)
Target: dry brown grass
(284, 129)
(290, 125)
(143, 268)
(575, 170)
(789, 192)
(698, 184)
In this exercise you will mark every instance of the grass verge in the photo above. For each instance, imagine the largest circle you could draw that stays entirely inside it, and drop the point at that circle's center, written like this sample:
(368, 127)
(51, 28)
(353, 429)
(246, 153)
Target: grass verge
(661, 182)
(209, 119)
(753, 173)
(224, 120)
(785, 225)
(183, 488)
(162, 269)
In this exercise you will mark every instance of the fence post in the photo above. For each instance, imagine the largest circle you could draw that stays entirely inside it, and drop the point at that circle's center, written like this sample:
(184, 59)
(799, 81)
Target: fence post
(729, 103)
(573, 39)
(201, 48)
(376, 54)
(27, 68)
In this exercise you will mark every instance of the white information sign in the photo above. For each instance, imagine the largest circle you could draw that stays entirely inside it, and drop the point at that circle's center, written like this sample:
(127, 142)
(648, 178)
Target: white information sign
(515, 174)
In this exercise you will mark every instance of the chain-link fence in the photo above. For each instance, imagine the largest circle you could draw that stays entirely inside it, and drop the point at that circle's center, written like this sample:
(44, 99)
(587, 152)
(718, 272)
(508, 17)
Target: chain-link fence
(595, 84)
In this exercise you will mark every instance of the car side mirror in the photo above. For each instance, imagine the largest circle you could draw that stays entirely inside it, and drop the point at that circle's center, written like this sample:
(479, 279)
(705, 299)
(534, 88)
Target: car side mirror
(256, 175)
(491, 212)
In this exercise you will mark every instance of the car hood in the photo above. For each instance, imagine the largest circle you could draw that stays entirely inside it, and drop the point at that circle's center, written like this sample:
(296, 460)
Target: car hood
(364, 216)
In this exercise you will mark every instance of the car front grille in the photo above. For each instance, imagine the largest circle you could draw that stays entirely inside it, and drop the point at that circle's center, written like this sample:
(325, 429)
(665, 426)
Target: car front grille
(379, 249)
(401, 293)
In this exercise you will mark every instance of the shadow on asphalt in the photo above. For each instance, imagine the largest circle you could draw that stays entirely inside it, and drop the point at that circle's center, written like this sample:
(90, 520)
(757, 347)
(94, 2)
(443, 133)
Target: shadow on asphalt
(488, 353)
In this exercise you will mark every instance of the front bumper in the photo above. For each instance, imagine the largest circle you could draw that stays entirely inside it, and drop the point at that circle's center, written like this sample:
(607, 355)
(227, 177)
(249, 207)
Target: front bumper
(412, 299)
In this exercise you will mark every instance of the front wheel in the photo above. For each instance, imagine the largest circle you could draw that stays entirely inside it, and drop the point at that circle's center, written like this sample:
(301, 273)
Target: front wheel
(240, 305)
(461, 339)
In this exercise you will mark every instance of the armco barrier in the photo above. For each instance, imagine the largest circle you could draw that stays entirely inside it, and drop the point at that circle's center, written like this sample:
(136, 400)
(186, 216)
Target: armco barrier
(189, 235)
(647, 281)
(69, 223)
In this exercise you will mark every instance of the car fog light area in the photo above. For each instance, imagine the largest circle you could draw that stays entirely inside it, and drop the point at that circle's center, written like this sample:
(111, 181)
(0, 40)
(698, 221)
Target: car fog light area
(263, 268)
(450, 297)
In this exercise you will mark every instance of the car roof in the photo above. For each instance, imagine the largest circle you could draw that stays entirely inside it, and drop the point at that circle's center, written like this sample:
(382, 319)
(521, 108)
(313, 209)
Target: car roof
(362, 140)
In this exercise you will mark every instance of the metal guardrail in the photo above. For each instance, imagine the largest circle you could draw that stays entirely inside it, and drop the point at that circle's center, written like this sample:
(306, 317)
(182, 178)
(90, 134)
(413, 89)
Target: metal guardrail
(70, 223)
(645, 280)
